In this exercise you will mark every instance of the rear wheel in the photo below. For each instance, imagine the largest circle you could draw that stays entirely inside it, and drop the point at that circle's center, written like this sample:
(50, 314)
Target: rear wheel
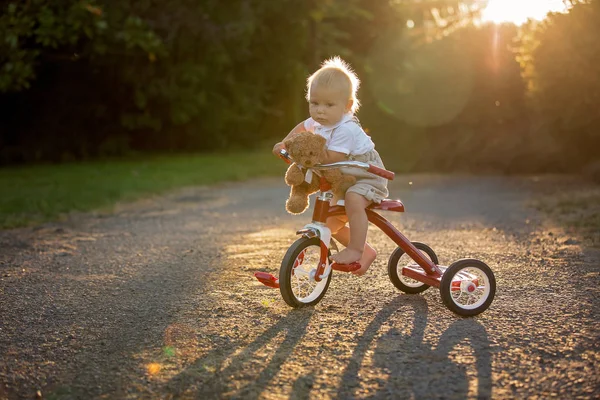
(399, 259)
(296, 275)
(468, 287)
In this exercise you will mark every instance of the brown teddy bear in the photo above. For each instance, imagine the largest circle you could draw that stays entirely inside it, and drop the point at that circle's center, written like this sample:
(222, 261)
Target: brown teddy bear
(306, 149)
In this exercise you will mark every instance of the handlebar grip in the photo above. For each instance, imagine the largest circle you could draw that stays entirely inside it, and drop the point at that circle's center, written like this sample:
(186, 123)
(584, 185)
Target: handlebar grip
(384, 173)
(285, 156)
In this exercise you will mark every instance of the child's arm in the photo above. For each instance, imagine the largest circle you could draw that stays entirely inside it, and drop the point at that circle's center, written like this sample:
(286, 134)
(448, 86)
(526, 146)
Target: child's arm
(330, 156)
(340, 144)
(279, 146)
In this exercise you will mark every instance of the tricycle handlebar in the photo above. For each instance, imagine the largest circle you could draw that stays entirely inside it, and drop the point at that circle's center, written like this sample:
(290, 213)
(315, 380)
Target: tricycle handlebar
(285, 156)
(389, 175)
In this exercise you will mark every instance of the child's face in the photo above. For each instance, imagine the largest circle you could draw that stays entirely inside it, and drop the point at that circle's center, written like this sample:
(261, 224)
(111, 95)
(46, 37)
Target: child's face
(327, 106)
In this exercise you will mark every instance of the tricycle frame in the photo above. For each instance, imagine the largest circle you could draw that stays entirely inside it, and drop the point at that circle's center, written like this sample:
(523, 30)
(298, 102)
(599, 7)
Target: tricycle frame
(324, 210)
(467, 286)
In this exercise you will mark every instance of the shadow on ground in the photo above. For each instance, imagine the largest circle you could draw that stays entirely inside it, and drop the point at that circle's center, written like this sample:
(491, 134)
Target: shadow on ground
(413, 368)
(210, 375)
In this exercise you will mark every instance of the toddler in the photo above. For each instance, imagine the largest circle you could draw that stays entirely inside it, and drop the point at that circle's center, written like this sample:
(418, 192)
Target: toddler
(331, 94)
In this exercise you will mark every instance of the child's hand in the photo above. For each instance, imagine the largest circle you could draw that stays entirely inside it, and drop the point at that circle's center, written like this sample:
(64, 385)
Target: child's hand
(277, 148)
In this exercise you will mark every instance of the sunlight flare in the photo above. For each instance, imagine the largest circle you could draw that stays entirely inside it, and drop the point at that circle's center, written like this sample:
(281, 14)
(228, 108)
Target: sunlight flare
(519, 11)
(153, 368)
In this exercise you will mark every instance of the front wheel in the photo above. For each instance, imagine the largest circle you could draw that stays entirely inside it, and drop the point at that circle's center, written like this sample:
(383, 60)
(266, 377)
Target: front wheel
(468, 287)
(400, 259)
(296, 283)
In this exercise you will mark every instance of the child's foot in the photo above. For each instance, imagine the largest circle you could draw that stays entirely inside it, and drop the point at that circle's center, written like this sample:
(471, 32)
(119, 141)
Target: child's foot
(347, 256)
(366, 260)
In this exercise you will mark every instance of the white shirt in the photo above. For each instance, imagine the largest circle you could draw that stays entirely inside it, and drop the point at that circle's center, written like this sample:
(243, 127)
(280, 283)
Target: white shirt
(346, 136)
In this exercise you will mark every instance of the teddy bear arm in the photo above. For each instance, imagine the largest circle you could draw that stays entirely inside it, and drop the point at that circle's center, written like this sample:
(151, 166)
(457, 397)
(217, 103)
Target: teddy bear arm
(298, 201)
(339, 182)
(294, 175)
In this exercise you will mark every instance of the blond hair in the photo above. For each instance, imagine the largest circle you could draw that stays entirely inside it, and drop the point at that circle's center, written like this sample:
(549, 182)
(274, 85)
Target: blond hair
(336, 73)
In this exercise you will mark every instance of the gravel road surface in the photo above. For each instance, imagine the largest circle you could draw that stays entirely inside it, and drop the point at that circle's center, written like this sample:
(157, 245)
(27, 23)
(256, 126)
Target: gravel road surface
(158, 301)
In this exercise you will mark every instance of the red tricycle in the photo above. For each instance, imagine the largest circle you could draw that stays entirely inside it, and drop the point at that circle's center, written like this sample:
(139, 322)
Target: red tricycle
(467, 286)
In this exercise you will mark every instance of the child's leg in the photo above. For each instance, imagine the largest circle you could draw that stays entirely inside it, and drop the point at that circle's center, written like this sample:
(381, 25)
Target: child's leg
(336, 224)
(356, 242)
(341, 233)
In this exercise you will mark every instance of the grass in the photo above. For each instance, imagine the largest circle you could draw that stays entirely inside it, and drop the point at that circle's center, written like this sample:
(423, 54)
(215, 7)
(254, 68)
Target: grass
(36, 194)
(578, 210)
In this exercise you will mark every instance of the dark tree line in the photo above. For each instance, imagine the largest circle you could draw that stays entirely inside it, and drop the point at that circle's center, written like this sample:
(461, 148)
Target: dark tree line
(84, 79)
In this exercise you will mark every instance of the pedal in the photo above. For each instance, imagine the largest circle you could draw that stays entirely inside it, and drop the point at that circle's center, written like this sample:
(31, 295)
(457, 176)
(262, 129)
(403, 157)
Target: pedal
(267, 279)
(346, 267)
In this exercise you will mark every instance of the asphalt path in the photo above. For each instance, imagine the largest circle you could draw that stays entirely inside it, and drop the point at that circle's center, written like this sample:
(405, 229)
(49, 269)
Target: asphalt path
(157, 300)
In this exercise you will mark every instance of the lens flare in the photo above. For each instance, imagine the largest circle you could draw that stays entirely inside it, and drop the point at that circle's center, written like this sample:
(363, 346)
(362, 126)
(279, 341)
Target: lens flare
(153, 368)
(422, 84)
(519, 11)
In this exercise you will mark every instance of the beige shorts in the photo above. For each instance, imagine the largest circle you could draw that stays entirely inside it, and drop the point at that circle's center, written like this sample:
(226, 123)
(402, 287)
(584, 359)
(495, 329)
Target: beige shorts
(371, 186)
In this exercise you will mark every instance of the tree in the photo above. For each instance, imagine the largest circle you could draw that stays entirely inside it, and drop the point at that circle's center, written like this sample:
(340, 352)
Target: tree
(560, 58)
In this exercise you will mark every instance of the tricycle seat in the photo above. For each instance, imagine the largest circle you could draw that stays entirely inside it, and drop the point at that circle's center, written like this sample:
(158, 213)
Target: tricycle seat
(385, 205)
(388, 205)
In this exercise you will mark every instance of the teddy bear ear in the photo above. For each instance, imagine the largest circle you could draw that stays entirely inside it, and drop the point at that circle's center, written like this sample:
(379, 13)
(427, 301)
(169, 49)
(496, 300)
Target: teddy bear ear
(322, 139)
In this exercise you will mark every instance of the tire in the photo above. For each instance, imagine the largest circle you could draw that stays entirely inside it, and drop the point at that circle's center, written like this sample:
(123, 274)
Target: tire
(459, 291)
(297, 289)
(395, 265)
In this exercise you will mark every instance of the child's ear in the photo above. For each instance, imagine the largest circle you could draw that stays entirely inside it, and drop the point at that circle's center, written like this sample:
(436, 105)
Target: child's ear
(349, 105)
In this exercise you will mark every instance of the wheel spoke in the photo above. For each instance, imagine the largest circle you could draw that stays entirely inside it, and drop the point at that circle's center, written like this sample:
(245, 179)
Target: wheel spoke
(458, 296)
(407, 261)
(303, 288)
(467, 288)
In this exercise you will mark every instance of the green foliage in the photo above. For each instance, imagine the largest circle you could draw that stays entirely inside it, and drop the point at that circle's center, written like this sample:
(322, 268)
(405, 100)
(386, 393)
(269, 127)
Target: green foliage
(455, 103)
(40, 193)
(560, 59)
(178, 75)
(69, 29)
(81, 79)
